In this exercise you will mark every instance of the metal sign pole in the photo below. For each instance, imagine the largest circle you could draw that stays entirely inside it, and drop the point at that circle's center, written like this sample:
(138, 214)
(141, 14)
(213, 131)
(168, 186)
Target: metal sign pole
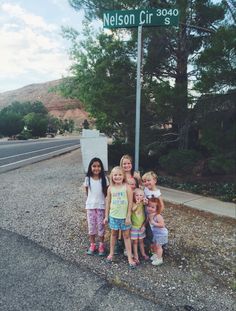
(138, 99)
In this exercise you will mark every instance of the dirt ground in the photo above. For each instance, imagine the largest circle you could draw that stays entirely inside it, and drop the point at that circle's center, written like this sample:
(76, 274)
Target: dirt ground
(45, 202)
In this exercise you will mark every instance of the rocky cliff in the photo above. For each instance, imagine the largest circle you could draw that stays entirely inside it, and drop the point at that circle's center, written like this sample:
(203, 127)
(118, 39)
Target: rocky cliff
(58, 106)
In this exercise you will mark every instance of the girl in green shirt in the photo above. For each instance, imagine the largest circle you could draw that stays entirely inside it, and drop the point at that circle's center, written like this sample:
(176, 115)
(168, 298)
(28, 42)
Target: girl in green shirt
(138, 225)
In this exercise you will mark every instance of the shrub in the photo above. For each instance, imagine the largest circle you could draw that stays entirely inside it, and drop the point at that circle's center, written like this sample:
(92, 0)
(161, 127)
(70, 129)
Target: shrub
(179, 161)
(24, 135)
(221, 165)
(117, 150)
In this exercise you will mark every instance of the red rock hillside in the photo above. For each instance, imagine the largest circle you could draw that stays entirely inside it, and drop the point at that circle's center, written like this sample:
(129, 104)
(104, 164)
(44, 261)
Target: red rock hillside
(58, 106)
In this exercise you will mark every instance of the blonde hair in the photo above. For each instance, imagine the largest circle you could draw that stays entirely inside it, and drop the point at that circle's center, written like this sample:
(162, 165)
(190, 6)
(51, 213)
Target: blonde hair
(135, 191)
(126, 156)
(149, 174)
(117, 168)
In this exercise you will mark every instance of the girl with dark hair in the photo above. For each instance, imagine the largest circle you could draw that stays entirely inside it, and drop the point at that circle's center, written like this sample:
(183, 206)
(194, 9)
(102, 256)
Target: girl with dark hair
(96, 184)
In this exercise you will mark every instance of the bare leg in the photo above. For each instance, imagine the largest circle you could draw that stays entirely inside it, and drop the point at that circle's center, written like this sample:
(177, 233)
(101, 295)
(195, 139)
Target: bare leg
(142, 250)
(113, 239)
(101, 239)
(135, 249)
(126, 236)
(92, 239)
(159, 251)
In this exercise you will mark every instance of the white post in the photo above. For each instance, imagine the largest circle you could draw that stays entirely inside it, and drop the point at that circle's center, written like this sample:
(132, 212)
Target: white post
(138, 100)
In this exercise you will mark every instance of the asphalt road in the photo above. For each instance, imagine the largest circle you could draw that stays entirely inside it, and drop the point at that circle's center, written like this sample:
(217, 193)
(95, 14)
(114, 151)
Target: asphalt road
(14, 154)
(34, 279)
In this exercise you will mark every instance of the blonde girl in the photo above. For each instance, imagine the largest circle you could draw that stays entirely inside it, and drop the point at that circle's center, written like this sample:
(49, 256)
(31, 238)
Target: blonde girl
(151, 190)
(118, 211)
(150, 187)
(132, 177)
(138, 225)
(159, 231)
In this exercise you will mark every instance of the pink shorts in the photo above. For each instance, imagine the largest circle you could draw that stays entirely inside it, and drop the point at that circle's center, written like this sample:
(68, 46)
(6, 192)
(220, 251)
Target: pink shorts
(95, 219)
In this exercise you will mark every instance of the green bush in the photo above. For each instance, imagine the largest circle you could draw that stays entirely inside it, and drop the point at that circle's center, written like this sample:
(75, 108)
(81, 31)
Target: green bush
(221, 165)
(24, 135)
(179, 161)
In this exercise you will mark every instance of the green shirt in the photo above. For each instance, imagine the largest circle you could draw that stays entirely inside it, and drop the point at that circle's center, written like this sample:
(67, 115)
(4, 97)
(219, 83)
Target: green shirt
(138, 216)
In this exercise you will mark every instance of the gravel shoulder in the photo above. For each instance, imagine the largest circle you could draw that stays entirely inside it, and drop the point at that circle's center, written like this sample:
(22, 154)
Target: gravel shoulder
(45, 203)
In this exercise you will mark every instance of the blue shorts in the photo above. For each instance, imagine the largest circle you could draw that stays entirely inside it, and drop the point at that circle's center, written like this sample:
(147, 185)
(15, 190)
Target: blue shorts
(118, 224)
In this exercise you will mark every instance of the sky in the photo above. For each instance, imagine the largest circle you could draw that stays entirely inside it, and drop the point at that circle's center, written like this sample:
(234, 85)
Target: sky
(32, 49)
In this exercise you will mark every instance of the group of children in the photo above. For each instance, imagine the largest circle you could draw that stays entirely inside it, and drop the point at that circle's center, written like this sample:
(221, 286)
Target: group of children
(131, 206)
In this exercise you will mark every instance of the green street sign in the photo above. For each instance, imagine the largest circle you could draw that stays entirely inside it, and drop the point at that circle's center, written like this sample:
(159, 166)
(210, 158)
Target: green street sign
(141, 17)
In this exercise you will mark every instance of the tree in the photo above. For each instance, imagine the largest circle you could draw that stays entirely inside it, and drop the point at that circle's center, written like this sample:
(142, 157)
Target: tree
(68, 125)
(23, 108)
(36, 123)
(168, 54)
(217, 63)
(11, 123)
(54, 124)
(104, 77)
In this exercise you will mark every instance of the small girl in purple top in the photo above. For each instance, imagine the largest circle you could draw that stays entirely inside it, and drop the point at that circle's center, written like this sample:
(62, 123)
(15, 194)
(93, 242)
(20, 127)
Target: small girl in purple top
(159, 231)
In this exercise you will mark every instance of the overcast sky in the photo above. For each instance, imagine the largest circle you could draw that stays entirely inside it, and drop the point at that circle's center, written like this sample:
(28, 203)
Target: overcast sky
(32, 49)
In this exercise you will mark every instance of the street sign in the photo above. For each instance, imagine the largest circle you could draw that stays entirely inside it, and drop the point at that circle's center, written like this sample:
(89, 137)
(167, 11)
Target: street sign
(141, 17)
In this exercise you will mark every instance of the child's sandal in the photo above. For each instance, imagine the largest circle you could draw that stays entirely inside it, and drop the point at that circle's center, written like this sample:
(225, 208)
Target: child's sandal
(109, 259)
(145, 257)
(136, 260)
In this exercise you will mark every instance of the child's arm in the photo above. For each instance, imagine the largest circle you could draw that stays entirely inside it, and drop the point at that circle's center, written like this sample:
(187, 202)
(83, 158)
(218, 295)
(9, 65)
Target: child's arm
(130, 203)
(86, 190)
(107, 186)
(160, 223)
(161, 203)
(108, 203)
(85, 184)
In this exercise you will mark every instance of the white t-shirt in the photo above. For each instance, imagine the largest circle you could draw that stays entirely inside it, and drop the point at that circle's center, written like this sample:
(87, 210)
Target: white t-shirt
(95, 198)
(151, 193)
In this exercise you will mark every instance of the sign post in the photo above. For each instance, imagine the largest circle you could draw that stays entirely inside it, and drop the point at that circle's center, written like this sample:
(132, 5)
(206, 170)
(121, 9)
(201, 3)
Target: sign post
(140, 18)
(138, 99)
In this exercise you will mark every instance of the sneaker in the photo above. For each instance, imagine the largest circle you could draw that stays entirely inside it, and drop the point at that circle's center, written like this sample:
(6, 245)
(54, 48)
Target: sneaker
(153, 257)
(101, 250)
(157, 262)
(91, 250)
